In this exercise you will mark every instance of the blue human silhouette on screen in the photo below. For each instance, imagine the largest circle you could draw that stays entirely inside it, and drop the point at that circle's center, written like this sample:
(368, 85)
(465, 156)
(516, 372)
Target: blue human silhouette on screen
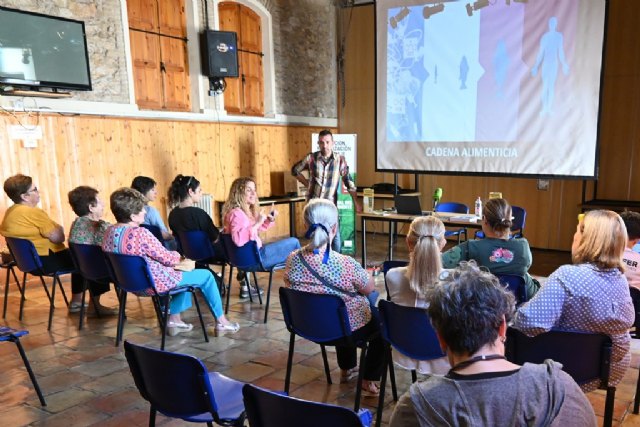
(551, 51)
(500, 67)
(464, 72)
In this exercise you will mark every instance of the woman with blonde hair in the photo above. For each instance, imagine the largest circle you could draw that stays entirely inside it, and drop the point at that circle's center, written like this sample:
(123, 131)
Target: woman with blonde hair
(497, 251)
(244, 220)
(590, 295)
(409, 285)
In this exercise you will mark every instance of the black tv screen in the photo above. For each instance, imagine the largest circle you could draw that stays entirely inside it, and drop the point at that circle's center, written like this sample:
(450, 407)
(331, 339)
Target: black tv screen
(40, 51)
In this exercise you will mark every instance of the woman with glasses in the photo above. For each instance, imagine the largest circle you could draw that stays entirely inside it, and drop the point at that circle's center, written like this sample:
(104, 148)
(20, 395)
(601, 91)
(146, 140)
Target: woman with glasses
(24, 220)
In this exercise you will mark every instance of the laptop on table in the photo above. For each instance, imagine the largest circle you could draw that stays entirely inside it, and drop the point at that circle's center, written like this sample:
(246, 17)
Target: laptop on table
(409, 205)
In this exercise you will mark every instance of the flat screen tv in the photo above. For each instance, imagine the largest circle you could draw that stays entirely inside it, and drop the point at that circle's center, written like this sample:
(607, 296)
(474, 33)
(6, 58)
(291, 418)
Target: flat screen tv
(42, 52)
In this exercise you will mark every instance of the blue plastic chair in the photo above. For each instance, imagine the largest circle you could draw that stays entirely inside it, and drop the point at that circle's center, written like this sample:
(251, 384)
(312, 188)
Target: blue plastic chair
(247, 258)
(388, 265)
(12, 335)
(155, 230)
(90, 262)
(322, 319)
(409, 331)
(517, 227)
(516, 285)
(453, 207)
(584, 356)
(179, 386)
(267, 408)
(28, 261)
(9, 265)
(131, 274)
(196, 245)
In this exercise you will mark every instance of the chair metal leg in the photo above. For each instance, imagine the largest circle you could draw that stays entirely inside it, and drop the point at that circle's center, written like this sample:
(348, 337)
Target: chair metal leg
(636, 399)
(325, 362)
(82, 310)
(10, 271)
(363, 353)
(27, 365)
(165, 320)
(226, 310)
(64, 294)
(22, 298)
(392, 377)
(266, 307)
(414, 376)
(195, 299)
(287, 377)
(152, 417)
(608, 407)
(383, 385)
(52, 299)
(123, 303)
(255, 280)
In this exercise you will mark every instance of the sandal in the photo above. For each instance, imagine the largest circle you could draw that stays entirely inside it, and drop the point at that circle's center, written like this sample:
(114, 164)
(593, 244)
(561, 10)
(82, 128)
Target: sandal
(228, 327)
(175, 328)
(347, 375)
(370, 389)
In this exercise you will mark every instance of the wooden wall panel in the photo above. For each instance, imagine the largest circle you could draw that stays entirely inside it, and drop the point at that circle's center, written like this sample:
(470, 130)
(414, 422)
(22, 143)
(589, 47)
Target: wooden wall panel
(107, 153)
(552, 214)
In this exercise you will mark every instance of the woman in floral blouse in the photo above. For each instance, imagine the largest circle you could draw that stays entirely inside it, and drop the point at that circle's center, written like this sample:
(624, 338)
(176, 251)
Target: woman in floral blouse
(88, 229)
(348, 280)
(127, 237)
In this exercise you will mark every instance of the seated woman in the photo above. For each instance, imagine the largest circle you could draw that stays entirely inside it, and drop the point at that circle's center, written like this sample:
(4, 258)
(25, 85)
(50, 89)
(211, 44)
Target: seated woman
(470, 310)
(343, 276)
(147, 187)
(496, 251)
(592, 295)
(89, 227)
(25, 220)
(409, 285)
(185, 191)
(243, 220)
(127, 237)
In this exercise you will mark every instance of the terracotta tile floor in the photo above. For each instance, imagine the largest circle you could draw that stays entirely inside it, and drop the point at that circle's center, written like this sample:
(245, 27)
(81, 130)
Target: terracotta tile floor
(86, 380)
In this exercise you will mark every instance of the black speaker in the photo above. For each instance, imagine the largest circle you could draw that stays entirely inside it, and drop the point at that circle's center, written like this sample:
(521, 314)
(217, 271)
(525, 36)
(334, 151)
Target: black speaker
(219, 54)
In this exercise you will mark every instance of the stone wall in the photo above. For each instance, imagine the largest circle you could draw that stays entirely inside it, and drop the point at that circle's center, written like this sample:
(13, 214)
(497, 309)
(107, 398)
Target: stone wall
(304, 33)
(304, 42)
(105, 40)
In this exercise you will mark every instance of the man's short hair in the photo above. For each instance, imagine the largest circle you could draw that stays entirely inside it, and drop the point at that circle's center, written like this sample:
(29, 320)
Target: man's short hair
(632, 222)
(325, 132)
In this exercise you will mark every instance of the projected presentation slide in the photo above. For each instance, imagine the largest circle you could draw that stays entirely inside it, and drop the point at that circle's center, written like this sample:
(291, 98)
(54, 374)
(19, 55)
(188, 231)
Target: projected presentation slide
(489, 87)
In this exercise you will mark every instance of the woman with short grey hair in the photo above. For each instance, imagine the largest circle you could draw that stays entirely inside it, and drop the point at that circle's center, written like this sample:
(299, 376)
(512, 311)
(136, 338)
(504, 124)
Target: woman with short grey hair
(469, 310)
(317, 269)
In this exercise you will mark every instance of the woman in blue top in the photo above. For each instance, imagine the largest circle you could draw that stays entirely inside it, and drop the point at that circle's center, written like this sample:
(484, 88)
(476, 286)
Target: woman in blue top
(147, 187)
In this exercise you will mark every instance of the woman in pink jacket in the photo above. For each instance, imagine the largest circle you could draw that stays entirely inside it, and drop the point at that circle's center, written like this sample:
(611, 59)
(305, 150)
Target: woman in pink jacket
(244, 220)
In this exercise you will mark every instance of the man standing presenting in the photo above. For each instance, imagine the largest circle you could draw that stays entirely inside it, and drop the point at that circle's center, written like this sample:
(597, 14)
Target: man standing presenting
(326, 168)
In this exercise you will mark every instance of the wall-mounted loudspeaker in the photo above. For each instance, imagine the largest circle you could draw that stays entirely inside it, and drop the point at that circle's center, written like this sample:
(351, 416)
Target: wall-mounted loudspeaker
(219, 54)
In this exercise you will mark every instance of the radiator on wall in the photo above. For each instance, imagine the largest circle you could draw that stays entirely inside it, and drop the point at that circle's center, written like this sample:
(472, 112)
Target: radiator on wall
(205, 203)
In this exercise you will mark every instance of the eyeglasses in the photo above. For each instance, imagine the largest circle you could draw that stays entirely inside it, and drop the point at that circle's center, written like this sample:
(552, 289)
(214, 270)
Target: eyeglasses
(34, 189)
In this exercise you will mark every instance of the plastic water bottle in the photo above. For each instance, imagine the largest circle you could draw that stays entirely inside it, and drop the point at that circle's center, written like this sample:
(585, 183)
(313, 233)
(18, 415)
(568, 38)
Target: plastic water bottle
(478, 207)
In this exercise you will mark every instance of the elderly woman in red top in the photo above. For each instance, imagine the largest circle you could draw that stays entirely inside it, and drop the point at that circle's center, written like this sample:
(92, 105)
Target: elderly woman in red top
(127, 237)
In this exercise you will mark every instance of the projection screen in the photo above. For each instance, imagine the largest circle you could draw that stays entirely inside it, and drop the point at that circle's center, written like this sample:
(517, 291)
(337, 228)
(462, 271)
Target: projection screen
(500, 87)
